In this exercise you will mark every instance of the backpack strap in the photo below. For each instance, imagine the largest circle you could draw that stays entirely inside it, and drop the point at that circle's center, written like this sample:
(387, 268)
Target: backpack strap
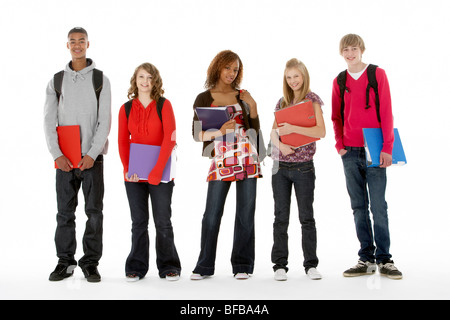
(97, 82)
(371, 75)
(57, 82)
(159, 106)
(341, 80)
(128, 105)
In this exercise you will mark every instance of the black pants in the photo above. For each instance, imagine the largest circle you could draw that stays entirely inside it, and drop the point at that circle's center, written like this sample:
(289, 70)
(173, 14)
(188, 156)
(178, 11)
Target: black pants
(302, 176)
(67, 186)
(243, 253)
(166, 254)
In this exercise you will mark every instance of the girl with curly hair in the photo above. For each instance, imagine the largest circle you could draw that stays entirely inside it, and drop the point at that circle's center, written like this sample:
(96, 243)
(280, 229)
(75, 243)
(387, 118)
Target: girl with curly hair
(236, 159)
(143, 126)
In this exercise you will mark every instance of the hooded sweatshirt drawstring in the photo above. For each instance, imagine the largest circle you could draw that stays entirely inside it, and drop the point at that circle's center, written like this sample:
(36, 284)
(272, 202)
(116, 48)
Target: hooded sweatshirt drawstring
(76, 75)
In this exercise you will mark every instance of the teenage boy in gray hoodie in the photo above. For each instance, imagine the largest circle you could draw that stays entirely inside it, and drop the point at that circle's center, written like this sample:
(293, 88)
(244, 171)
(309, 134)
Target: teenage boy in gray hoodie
(77, 105)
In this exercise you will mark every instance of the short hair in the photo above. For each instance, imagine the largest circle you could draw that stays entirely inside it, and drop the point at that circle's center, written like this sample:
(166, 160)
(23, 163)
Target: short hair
(77, 30)
(352, 40)
(220, 61)
(157, 83)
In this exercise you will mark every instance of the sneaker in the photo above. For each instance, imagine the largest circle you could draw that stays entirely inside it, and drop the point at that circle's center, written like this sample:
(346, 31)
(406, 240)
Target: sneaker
(61, 272)
(280, 275)
(91, 273)
(241, 276)
(197, 276)
(313, 274)
(132, 277)
(361, 269)
(172, 276)
(389, 270)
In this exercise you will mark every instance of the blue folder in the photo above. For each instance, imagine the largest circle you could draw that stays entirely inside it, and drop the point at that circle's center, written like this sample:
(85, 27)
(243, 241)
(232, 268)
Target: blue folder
(373, 143)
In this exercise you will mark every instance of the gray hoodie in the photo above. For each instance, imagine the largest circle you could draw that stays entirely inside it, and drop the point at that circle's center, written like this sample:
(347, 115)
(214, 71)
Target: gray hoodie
(78, 106)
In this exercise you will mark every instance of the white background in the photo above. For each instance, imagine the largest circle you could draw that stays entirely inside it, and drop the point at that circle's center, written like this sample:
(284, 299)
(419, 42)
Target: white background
(409, 39)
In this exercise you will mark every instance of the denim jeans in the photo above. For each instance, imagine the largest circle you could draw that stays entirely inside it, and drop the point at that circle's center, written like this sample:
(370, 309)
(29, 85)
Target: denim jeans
(367, 185)
(167, 259)
(302, 176)
(67, 186)
(243, 253)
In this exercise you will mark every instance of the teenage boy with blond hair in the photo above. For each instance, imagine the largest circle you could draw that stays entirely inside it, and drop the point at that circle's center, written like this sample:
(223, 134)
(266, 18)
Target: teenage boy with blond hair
(78, 104)
(364, 184)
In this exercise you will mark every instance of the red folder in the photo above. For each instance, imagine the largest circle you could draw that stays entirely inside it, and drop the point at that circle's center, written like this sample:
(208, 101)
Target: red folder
(302, 115)
(70, 143)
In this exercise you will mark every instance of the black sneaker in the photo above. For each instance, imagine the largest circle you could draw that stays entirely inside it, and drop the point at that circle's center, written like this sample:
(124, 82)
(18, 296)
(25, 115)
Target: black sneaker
(61, 272)
(389, 270)
(91, 273)
(361, 269)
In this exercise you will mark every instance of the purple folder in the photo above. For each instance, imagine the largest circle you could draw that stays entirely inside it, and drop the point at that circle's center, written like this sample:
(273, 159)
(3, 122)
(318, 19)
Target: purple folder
(143, 158)
(214, 118)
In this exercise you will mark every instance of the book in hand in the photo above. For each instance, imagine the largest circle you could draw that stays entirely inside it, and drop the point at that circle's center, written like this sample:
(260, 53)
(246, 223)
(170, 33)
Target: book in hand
(301, 115)
(212, 117)
(70, 143)
(373, 144)
(143, 158)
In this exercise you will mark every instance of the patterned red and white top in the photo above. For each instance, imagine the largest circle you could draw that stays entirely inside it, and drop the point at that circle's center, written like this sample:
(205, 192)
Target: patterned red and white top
(236, 158)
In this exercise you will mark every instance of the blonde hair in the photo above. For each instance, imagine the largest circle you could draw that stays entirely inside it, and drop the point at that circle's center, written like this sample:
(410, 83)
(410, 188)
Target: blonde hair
(288, 93)
(157, 90)
(351, 40)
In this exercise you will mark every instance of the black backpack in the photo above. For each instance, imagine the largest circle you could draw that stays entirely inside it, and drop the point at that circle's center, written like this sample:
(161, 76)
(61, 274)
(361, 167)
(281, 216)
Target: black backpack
(341, 80)
(159, 106)
(97, 81)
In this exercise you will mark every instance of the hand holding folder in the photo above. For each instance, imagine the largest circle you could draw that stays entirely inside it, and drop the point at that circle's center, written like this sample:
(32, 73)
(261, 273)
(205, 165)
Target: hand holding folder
(70, 144)
(373, 143)
(302, 115)
(143, 159)
(213, 118)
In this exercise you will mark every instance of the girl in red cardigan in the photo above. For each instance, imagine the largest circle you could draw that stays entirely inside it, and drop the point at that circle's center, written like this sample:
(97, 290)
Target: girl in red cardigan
(144, 126)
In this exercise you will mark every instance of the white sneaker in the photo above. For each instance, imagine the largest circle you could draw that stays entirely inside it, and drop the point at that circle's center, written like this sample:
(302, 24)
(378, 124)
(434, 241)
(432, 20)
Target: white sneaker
(313, 274)
(197, 276)
(132, 277)
(172, 276)
(241, 276)
(280, 275)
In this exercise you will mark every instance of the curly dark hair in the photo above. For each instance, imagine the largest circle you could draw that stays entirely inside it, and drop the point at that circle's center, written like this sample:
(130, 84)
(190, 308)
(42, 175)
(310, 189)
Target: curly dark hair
(220, 61)
(157, 90)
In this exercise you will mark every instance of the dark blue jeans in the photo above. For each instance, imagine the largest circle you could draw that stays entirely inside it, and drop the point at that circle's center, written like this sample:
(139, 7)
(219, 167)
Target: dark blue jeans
(167, 259)
(67, 186)
(302, 176)
(243, 253)
(367, 186)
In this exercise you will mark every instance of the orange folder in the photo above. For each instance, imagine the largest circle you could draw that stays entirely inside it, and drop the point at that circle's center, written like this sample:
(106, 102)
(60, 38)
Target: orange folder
(302, 115)
(70, 143)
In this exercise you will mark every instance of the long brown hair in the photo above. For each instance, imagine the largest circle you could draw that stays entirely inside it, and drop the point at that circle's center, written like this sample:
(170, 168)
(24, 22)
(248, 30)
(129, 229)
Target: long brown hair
(157, 90)
(288, 93)
(220, 61)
